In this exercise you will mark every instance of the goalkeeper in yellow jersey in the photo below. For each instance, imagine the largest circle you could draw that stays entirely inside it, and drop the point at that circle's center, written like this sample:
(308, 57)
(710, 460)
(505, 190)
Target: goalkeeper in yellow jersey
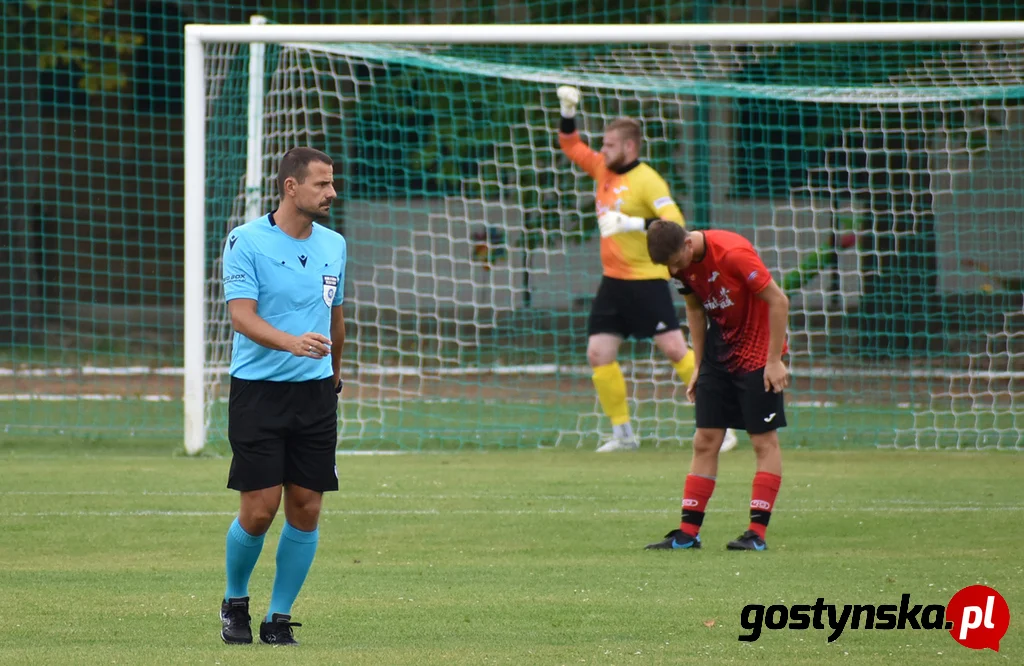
(633, 298)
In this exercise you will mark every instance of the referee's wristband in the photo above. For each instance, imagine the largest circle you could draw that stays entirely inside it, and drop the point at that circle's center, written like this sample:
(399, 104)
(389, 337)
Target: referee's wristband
(341, 384)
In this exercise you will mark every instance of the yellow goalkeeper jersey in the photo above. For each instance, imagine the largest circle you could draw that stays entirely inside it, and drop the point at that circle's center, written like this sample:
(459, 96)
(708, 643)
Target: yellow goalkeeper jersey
(638, 192)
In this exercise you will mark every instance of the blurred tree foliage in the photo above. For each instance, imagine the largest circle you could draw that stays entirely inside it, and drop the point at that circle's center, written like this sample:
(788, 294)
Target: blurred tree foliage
(780, 140)
(101, 53)
(484, 11)
(80, 38)
(438, 134)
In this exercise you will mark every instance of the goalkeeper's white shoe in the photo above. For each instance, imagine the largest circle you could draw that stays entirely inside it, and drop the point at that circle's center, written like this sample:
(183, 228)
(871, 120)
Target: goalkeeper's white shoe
(616, 444)
(730, 441)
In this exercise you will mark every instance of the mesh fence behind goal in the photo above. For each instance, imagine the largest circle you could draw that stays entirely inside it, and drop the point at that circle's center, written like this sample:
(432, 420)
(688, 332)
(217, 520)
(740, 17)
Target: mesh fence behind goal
(882, 183)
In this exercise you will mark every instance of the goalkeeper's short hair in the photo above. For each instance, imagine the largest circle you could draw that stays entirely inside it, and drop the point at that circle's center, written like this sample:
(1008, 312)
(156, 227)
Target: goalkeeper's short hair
(629, 129)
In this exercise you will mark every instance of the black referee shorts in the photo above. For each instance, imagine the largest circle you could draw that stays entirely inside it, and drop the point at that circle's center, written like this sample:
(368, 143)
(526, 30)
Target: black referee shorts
(632, 308)
(283, 432)
(737, 401)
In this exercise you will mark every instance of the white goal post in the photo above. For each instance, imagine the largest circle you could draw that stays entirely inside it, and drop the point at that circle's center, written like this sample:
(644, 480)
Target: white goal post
(258, 34)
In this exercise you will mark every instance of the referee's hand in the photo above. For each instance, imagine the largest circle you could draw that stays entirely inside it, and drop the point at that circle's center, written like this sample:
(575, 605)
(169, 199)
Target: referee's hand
(311, 345)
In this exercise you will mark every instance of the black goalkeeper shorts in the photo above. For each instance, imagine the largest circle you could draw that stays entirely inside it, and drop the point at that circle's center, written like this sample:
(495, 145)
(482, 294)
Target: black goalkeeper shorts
(283, 433)
(737, 401)
(632, 308)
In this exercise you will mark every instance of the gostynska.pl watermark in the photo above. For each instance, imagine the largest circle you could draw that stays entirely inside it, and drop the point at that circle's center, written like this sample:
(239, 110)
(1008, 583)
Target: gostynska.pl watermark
(976, 617)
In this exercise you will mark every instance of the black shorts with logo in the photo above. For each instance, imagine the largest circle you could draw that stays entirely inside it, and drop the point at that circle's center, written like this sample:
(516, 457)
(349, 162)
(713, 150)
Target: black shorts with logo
(737, 401)
(637, 308)
(283, 432)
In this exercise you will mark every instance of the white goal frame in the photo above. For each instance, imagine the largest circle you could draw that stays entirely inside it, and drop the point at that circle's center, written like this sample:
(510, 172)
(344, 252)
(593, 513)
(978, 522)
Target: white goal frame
(258, 34)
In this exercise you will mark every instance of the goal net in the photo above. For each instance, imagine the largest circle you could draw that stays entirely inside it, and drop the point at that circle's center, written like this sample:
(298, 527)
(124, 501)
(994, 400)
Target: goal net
(883, 184)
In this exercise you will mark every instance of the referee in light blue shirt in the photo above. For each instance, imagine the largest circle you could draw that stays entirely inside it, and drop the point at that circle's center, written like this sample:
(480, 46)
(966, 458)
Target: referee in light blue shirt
(284, 279)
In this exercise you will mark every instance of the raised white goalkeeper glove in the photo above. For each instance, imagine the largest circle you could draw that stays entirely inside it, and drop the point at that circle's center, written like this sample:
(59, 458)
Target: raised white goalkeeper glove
(616, 223)
(569, 97)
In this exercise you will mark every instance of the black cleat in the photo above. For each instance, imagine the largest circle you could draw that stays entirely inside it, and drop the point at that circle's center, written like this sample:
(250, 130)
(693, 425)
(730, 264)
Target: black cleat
(234, 615)
(279, 630)
(675, 540)
(747, 541)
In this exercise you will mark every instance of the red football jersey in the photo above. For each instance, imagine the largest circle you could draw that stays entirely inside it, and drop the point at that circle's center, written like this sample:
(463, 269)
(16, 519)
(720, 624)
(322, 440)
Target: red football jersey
(727, 280)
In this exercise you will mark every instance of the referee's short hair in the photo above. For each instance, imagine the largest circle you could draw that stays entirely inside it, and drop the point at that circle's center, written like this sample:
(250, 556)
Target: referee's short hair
(664, 239)
(295, 164)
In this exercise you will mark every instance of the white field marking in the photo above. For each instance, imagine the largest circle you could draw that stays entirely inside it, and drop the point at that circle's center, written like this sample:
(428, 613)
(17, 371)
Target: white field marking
(116, 493)
(804, 504)
(156, 397)
(659, 368)
(70, 397)
(488, 497)
(502, 512)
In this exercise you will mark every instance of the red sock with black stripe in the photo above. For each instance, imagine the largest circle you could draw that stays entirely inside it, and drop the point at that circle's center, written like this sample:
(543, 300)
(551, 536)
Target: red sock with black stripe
(696, 494)
(762, 501)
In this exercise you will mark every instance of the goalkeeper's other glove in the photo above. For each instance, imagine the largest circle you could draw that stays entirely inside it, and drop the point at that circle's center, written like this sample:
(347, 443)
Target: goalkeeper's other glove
(569, 97)
(616, 223)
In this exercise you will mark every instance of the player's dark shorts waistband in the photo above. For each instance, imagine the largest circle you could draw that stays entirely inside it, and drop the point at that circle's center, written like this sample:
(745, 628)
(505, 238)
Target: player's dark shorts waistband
(639, 281)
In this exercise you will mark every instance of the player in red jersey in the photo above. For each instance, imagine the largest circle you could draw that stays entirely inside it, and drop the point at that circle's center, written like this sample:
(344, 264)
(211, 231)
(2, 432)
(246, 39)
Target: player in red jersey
(737, 316)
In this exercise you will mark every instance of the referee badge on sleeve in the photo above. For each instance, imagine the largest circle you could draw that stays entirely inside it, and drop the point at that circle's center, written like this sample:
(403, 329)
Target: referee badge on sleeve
(330, 288)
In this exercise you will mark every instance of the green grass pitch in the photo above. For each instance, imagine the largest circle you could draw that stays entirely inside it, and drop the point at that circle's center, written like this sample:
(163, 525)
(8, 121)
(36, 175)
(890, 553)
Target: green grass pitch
(115, 555)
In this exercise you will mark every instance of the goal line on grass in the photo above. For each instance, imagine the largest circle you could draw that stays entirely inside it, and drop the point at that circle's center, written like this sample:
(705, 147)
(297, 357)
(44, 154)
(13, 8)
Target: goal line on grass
(542, 369)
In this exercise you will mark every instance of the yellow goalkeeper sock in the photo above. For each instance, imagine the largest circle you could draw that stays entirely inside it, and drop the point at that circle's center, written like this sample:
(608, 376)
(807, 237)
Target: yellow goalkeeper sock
(684, 368)
(611, 392)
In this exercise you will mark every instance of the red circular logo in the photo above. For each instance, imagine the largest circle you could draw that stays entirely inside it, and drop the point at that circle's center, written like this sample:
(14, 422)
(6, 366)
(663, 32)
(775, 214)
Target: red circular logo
(979, 617)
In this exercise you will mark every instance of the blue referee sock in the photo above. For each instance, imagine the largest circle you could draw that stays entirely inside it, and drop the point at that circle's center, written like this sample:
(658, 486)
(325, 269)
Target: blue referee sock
(295, 553)
(243, 549)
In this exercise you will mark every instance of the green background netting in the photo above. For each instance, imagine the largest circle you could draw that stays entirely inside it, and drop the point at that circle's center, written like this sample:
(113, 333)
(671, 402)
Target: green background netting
(882, 180)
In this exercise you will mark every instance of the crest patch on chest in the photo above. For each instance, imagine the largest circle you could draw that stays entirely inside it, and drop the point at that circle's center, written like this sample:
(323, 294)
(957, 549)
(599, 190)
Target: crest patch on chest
(330, 288)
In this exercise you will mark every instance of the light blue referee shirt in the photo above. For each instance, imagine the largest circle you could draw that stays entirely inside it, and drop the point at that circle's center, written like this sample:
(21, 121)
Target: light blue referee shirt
(295, 283)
